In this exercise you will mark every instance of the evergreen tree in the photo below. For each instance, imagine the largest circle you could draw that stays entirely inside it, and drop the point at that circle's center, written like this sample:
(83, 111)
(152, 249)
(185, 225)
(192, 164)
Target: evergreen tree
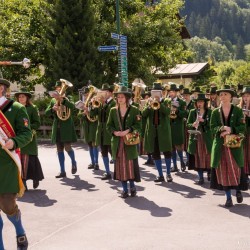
(240, 52)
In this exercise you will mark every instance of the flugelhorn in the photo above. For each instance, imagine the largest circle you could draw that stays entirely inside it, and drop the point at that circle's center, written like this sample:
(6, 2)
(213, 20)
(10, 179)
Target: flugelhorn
(25, 63)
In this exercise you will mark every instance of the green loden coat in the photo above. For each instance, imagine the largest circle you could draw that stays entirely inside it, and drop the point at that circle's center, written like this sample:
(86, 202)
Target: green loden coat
(102, 124)
(67, 128)
(132, 121)
(163, 130)
(19, 120)
(204, 127)
(237, 124)
(35, 122)
(177, 125)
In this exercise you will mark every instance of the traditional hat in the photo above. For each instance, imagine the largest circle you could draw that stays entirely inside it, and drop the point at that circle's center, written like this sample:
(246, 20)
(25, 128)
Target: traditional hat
(106, 86)
(186, 91)
(201, 97)
(157, 86)
(143, 94)
(58, 84)
(240, 86)
(173, 87)
(245, 90)
(123, 90)
(226, 88)
(196, 89)
(24, 92)
(5, 82)
(213, 90)
(181, 86)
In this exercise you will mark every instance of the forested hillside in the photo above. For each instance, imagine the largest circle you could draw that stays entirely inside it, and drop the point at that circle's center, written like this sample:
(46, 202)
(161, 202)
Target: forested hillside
(227, 19)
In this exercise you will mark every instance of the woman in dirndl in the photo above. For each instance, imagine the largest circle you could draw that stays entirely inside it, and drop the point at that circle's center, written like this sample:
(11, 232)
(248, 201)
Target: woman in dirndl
(200, 141)
(31, 167)
(227, 163)
(245, 105)
(124, 119)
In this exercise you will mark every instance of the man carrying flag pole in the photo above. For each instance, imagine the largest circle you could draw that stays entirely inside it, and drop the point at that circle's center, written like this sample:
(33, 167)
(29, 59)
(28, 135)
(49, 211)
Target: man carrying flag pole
(15, 133)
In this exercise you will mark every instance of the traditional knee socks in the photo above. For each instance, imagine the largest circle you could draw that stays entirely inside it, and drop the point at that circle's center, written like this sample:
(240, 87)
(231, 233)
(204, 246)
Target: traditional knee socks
(106, 164)
(17, 222)
(158, 165)
(71, 154)
(124, 186)
(91, 153)
(200, 173)
(168, 164)
(95, 152)
(180, 153)
(228, 194)
(174, 158)
(61, 158)
(1, 233)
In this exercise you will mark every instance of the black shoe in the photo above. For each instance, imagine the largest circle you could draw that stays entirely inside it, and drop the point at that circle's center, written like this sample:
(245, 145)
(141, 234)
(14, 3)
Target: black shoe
(22, 242)
(151, 162)
(91, 166)
(106, 176)
(229, 203)
(96, 166)
(35, 184)
(124, 194)
(61, 175)
(169, 178)
(73, 169)
(208, 176)
(159, 179)
(174, 169)
(146, 162)
(239, 197)
(133, 192)
(200, 181)
(111, 161)
(183, 166)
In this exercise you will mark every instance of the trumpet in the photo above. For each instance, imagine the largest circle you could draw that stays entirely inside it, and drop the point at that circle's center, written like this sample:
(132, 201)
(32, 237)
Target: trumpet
(25, 63)
(153, 103)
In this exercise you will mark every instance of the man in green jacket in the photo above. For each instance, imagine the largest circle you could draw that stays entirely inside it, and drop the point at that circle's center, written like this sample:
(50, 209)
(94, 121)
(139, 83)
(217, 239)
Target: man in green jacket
(63, 130)
(17, 133)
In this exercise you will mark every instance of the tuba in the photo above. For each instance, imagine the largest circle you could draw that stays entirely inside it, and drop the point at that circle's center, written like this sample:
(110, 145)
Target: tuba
(63, 112)
(138, 86)
(92, 92)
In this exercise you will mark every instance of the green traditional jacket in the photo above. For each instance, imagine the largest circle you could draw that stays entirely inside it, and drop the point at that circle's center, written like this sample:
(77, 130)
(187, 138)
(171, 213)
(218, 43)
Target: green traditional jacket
(103, 114)
(19, 120)
(67, 127)
(132, 121)
(32, 147)
(162, 130)
(237, 125)
(177, 125)
(204, 128)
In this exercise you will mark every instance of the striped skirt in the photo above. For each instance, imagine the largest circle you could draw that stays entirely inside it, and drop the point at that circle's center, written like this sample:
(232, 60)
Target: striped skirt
(247, 155)
(125, 169)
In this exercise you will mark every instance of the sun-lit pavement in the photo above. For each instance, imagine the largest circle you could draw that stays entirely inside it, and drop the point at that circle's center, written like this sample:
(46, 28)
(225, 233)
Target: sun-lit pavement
(84, 212)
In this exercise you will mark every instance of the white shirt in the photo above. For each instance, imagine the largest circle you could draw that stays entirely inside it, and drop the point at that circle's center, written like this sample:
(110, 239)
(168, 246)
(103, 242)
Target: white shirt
(2, 100)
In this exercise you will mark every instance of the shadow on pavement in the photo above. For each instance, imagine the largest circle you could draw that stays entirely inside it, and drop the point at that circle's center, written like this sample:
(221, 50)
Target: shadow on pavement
(78, 184)
(38, 197)
(142, 203)
(241, 209)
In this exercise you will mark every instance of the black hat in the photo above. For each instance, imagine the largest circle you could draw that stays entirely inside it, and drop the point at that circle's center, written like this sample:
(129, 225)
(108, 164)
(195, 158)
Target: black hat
(5, 82)
(173, 87)
(181, 86)
(123, 90)
(196, 89)
(145, 93)
(240, 86)
(186, 91)
(226, 88)
(213, 90)
(201, 97)
(24, 92)
(157, 86)
(106, 86)
(245, 90)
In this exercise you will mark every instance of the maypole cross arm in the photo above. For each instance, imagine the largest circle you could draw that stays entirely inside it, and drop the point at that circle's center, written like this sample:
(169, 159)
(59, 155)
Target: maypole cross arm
(25, 63)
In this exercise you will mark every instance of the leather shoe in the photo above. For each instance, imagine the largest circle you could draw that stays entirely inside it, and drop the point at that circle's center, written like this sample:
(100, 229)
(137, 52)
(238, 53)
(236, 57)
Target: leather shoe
(96, 166)
(229, 203)
(61, 175)
(174, 169)
(239, 197)
(159, 179)
(124, 194)
(91, 166)
(111, 161)
(73, 169)
(35, 184)
(183, 166)
(200, 182)
(133, 192)
(106, 176)
(169, 178)
(22, 242)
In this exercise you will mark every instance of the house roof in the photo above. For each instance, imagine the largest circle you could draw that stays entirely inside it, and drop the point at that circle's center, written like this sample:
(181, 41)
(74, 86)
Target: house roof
(188, 69)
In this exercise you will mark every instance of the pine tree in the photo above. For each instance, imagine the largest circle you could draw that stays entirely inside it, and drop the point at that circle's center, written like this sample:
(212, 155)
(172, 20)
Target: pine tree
(71, 45)
(240, 52)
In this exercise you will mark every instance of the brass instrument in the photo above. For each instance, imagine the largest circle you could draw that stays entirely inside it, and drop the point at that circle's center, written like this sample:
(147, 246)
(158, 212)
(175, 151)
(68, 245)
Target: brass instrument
(173, 114)
(25, 63)
(100, 97)
(63, 112)
(138, 86)
(92, 92)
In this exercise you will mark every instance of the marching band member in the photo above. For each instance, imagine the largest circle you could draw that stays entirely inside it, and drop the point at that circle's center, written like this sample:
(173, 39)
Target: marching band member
(89, 133)
(63, 131)
(103, 138)
(15, 124)
(200, 144)
(245, 105)
(195, 92)
(214, 99)
(31, 166)
(123, 119)
(157, 137)
(177, 115)
(227, 163)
